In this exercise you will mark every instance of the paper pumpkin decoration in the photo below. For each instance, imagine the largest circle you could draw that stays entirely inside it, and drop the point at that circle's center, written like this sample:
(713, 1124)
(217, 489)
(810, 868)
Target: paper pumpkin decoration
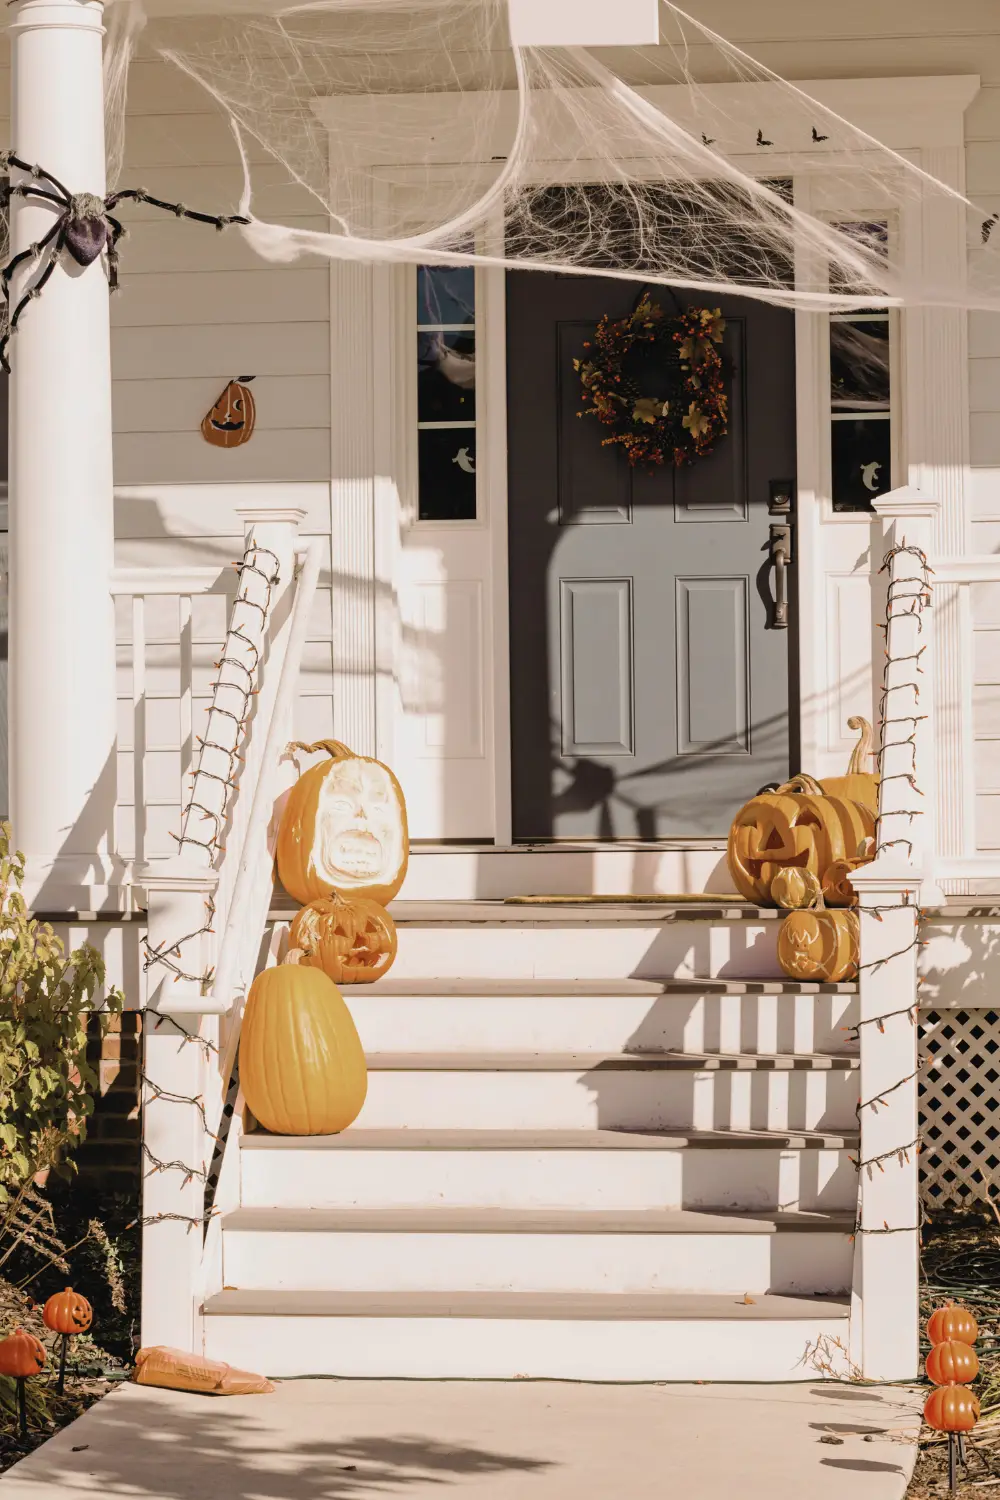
(343, 828)
(951, 1408)
(302, 1066)
(232, 418)
(861, 783)
(353, 940)
(797, 826)
(177, 1370)
(951, 1322)
(951, 1363)
(21, 1355)
(67, 1312)
(819, 945)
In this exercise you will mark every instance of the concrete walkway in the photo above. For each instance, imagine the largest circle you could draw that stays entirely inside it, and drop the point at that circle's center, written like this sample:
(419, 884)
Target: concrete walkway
(364, 1440)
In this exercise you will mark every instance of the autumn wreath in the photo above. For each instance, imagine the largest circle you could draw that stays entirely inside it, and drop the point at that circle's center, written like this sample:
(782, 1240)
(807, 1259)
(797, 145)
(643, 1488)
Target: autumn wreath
(680, 418)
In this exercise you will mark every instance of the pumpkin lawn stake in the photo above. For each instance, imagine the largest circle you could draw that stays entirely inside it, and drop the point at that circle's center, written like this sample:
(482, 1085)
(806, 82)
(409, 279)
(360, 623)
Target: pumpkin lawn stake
(352, 940)
(66, 1313)
(343, 828)
(22, 1355)
(302, 1066)
(232, 418)
(797, 826)
(951, 1365)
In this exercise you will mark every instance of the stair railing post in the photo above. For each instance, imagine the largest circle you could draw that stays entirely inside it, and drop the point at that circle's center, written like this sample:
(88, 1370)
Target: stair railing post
(891, 891)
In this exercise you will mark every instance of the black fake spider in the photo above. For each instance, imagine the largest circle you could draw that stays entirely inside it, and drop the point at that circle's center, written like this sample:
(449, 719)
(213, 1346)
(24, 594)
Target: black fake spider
(85, 227)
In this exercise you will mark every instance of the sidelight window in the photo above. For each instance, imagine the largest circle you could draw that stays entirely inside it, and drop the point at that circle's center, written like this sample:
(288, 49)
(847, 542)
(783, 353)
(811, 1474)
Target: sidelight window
(861, 397)
(446, 393)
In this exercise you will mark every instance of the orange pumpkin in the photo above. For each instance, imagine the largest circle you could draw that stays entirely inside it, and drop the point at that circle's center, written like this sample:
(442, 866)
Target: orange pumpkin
(232, 418)
(951, 1408)
(353, 941)
(67, 1312)
(343, 829)
(796, 826)
(21, 1355)
(954, 1323)
(861, 783)
(793, 888)
(819, 945)
(302, 1066)
(952, 1363)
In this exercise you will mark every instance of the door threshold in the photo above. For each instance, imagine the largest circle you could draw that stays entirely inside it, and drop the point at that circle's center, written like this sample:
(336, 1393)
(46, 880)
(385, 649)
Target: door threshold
(566, 846)
(492, 872)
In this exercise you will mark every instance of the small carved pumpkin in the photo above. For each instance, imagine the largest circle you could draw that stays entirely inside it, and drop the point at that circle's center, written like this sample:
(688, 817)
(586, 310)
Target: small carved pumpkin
(861, 783)
(67, 1312)
(302, 1066)
(21, 1355)
(951, 1408)
(819, 945)
(799, 826)
(231, 420)
(353, 941)
(954, 1323)
(343, 829)
(952, 1363)
(793, 888)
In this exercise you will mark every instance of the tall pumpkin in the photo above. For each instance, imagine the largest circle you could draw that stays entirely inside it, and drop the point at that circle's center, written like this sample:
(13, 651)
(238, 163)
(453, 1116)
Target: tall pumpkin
(302, 1067)
(796, 826)
(343, 829)
(861, 782)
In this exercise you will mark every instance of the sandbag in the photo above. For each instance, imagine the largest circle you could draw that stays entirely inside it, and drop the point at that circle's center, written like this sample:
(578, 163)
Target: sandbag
(177, 1370)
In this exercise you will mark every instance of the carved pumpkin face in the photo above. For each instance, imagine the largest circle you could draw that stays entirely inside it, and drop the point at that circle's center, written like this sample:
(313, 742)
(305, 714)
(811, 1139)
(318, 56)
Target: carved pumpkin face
(21, 1355)
(67, 1312)
(819, 945)
(352, 941)
(231, 420)
(794, 827)
(343, 829)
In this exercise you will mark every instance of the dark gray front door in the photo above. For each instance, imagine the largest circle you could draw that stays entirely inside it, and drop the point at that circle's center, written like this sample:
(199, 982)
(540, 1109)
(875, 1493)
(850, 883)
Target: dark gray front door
(649, 685)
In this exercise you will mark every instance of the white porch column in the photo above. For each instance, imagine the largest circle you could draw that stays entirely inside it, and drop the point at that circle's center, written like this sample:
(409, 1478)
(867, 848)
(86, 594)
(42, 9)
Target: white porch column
(62, 664)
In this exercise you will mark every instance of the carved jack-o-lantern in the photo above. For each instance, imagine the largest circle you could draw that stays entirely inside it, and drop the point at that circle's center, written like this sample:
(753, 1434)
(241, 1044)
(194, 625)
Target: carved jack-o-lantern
(353, 941)
(343, 829)
(819, 945)
(797, 826)
(231, 420)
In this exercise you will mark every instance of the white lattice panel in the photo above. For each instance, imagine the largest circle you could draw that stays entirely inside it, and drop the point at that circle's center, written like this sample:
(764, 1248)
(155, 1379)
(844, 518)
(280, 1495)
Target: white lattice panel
(959, 1121)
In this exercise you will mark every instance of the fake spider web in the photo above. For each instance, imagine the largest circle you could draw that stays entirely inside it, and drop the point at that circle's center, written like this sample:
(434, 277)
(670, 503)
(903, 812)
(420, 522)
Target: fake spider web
(666, 180)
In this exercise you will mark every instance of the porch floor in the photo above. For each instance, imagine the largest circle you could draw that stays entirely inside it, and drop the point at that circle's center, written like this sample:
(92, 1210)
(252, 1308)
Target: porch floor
(347, 1440)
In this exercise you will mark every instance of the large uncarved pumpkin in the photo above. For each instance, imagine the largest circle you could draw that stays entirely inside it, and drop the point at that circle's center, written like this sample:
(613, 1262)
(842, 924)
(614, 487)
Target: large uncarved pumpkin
(302, 1067)
(819, 945)
(351, 940)
(343, 829)
(861, 782)
(797, 826)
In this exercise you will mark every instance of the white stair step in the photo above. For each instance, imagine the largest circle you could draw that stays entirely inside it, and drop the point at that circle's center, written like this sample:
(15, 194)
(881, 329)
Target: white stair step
(611, 1091)
(560, 1015)
(490, 1249)
(504, 1335)
(753, 1170)
(512, 941)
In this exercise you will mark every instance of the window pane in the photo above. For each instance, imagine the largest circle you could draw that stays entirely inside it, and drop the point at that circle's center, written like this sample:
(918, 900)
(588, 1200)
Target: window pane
(446, 294)
(447, 473)
(446, 377)
(862, 462)
(859, 366)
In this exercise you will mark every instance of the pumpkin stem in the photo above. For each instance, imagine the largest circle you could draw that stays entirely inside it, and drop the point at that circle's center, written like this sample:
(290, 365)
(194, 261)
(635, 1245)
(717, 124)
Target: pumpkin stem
(294, 956)
(336, 749)
(801, 783)
(862, 762)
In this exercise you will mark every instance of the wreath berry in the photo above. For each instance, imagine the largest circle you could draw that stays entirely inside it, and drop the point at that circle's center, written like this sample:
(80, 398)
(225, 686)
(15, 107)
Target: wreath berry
(688, 411)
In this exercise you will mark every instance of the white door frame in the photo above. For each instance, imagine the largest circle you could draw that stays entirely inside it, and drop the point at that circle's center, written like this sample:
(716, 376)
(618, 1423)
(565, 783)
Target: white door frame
(922, 119)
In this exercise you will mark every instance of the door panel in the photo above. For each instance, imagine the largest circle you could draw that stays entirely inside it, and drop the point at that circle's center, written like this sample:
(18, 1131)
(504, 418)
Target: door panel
(649, 691)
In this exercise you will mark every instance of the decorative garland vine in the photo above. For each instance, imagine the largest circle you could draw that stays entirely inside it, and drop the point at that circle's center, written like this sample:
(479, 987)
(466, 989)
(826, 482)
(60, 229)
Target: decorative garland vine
(682, 420)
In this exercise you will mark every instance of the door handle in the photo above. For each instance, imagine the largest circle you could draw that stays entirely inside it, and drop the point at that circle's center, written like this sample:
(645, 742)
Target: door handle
(781, 553)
